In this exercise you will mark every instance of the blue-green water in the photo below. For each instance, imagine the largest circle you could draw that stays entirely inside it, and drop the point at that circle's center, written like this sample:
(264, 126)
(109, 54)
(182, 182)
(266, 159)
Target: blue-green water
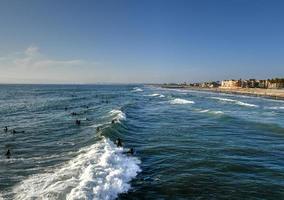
(188, 144)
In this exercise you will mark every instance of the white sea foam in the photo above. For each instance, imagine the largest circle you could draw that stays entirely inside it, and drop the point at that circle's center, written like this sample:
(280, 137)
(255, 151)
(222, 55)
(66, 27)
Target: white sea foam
(211, 112)
(235, 101)
(100, 171)
(118, 115)
(155, 95)
(181, 101)
(275, 107)
(1, 198)
(137, 89)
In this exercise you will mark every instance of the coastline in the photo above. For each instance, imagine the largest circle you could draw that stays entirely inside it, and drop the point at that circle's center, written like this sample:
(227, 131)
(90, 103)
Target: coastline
(258, 92)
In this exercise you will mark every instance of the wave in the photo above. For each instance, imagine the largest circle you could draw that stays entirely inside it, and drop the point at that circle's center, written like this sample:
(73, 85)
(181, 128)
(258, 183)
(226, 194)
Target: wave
(1, 198)
(152, 95)
(137, 89)
(98, 125)
(235, 101)
(155, 95)
(211, 111)
(181, 101)
(275, 107)
(100, 171)
(118, 115)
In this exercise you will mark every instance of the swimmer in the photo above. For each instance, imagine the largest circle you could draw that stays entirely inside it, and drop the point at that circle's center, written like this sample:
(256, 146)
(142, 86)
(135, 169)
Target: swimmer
(8, 154)
(98, 128)
(118, 142)
(78, 122)
(6, 129)
(65, 108)
(113, 121)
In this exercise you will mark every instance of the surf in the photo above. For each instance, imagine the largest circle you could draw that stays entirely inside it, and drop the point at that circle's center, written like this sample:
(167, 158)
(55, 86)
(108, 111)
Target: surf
(235, 101)
(118, 115)
(181, 101)
(100, 171)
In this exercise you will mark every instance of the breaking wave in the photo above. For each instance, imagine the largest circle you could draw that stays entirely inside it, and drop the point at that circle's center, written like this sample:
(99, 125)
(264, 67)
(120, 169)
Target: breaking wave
(137, 89)
(235, 101)
(181, 101)
(276, 108)
(118, 115)
(211, 111)
(100, 171)
(155, 95)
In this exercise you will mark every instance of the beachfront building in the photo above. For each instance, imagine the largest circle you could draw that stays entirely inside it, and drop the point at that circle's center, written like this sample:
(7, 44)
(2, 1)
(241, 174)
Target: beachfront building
(277, 83)
(231, 84)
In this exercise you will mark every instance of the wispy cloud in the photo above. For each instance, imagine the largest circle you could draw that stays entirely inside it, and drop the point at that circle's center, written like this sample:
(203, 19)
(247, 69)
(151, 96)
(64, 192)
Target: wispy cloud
(32, 58)
(31, 64)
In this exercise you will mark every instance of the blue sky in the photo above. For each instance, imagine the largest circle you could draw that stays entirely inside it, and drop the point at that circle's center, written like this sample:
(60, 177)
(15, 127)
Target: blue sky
(134, 41)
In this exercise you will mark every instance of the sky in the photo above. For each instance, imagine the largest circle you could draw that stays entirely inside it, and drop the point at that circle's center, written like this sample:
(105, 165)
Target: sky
(140, 41)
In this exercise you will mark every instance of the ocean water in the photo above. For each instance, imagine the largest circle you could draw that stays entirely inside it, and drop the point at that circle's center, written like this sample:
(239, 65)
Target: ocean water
(188, 144)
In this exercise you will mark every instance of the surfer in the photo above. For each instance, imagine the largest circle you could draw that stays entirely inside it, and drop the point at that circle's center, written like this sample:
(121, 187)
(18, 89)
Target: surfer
(118, 142)
(14, 131)
(130, 151)
(78, 122)
(6, 129)
(73, 113)
(113, 121)
(98, 128)
(8, 154)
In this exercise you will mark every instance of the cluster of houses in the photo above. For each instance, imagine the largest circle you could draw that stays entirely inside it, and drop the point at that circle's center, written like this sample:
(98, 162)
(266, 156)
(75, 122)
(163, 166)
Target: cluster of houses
(276, 83)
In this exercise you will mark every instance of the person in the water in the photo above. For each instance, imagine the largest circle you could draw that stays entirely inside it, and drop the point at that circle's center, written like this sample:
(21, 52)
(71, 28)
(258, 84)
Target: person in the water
(8, 154)
(98, 128)
(130, 151)
(118, 142)
(14, 131)
(113, 121)
(78, 122)
(6, 129)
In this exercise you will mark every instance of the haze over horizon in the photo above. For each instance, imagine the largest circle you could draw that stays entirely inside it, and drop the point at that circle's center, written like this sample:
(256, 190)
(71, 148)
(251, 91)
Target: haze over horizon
(140, 41)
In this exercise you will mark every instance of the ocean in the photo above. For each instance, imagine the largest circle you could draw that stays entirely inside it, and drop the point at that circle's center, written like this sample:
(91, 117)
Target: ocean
(187, 144)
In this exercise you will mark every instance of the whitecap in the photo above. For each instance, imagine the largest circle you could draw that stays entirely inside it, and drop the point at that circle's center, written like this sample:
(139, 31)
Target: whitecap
(235, 101)
(204, 111)
(100, 171)
(155, 95)
(137, 89)
(223, 99)
(181, 101)
(275, 107)
(211, 112)
(98, 125)
(246, 104)
(118, 115)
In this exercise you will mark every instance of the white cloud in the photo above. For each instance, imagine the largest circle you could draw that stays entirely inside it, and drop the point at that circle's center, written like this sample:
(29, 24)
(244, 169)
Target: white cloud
(31, 64)
(32, 51)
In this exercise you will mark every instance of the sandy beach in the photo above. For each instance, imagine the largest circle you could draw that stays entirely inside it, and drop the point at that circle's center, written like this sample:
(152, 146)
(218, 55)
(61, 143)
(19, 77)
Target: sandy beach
(268, 93)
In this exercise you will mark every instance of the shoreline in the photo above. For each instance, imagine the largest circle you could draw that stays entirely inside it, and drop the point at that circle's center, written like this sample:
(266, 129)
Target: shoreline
(277, 94)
